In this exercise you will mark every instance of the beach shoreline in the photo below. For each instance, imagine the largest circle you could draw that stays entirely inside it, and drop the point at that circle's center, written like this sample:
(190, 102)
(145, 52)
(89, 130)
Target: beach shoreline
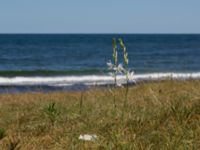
(83, 82)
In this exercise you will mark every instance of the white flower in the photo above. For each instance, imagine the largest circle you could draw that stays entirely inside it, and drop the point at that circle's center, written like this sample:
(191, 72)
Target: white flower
(131, 75)
(87, 137)
(120, 68)
(110, 65)
(119, 84)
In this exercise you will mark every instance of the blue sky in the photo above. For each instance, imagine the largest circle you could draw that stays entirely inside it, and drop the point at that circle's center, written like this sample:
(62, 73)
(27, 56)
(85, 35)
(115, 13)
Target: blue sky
(99, 16)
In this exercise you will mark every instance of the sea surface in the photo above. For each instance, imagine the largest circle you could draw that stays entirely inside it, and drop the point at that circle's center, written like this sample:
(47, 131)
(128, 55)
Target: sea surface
(70, 61)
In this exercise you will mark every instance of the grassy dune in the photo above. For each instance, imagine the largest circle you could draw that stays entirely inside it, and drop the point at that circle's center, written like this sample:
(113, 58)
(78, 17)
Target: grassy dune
(159, 115)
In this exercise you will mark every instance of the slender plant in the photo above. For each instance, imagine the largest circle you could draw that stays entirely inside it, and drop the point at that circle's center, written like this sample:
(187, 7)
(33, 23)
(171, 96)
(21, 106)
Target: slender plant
(81, 103)
(113, 66)
(2, 133)
(117, 68)
(115, 59)
(52, 112)
(126, 70)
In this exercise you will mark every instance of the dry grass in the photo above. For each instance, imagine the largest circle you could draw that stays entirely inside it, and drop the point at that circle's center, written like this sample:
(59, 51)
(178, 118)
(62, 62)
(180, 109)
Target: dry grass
(159, 115)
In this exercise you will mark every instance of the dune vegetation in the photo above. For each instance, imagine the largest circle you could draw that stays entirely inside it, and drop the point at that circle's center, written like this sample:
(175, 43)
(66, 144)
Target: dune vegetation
(158, 115)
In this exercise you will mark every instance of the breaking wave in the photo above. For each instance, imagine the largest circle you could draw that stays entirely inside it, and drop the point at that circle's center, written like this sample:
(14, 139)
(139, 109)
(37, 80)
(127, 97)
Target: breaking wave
(89, 80)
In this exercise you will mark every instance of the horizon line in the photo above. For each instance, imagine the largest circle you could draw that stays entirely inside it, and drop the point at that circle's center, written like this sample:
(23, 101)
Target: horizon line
(90, 33)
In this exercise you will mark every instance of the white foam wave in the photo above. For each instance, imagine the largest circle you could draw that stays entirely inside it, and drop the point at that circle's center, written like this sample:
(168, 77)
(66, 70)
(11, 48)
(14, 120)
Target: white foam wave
(90, 79)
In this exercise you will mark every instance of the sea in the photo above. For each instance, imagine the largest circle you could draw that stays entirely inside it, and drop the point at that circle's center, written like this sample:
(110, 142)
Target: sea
(51, 62)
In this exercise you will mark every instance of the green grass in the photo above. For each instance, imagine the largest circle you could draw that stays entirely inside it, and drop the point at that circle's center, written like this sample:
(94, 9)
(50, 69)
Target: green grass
(158, 115)
(2, 133)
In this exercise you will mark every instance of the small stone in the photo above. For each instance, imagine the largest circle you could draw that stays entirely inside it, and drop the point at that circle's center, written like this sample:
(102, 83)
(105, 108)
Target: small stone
(88, 137)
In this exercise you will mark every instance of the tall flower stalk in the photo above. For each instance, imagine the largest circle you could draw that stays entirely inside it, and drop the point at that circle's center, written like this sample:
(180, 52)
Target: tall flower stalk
(117, 68)
(115, 59)
(113, 66)
(126, 70)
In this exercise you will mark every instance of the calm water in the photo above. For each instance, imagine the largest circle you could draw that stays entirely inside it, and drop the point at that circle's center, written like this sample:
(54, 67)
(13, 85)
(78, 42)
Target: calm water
(89, 53)
(51, 55)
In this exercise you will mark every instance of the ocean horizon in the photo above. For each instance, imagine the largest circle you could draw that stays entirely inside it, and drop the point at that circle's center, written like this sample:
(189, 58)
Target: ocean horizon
(68, 60)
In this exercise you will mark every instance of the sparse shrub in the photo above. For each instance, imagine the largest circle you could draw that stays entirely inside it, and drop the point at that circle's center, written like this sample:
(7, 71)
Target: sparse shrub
(2, 133)
(52, 112)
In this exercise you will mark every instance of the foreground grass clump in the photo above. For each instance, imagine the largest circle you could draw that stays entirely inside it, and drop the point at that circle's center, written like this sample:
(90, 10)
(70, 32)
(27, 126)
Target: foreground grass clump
(158, 115)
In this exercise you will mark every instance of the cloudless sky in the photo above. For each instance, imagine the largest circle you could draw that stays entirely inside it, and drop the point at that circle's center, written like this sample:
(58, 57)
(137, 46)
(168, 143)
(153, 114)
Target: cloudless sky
(99, 16)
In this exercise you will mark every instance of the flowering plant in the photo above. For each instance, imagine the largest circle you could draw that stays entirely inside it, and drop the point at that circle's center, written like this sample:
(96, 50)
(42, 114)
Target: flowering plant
(119, 68)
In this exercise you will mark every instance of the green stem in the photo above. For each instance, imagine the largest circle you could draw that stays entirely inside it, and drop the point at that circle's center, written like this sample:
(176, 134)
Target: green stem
(114, 97)
(126, 96)
(81, 103)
